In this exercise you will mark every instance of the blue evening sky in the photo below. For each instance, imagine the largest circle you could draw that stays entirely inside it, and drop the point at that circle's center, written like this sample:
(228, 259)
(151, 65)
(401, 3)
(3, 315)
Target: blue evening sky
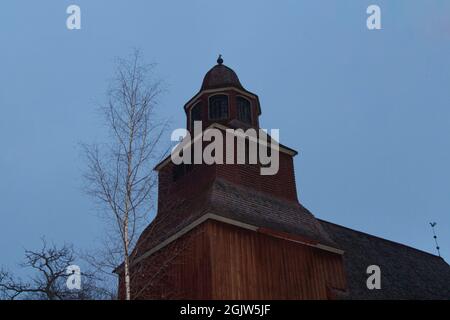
(369, 111)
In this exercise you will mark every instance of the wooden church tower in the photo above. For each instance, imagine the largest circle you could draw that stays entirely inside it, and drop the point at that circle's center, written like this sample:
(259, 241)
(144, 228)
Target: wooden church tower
(224, 231)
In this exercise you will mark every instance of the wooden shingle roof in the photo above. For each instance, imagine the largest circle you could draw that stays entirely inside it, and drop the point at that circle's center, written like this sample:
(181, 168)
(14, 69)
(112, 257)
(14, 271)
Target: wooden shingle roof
(406, 273)
(238, 203)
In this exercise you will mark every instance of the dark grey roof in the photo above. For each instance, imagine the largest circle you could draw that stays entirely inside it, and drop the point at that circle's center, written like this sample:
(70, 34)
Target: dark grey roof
(406, 273)
(235, 202)
(263, 210)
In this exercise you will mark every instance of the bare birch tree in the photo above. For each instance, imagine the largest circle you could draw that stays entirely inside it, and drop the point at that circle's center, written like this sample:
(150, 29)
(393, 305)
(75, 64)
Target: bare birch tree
(119, 174)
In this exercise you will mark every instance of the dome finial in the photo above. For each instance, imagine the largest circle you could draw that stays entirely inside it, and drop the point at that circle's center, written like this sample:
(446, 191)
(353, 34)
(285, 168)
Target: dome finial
(219, 60)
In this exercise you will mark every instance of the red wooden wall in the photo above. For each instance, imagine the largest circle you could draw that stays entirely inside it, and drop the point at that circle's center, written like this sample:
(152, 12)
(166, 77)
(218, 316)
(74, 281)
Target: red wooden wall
(222, 261)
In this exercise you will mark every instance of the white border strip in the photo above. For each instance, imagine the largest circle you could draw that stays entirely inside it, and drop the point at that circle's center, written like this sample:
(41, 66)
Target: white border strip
(215, 217)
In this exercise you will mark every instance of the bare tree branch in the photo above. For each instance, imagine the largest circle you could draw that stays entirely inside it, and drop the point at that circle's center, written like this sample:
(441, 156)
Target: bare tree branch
(48, 280)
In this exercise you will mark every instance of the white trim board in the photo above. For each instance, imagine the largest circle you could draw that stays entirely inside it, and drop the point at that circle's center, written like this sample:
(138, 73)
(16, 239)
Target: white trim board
(212, 216)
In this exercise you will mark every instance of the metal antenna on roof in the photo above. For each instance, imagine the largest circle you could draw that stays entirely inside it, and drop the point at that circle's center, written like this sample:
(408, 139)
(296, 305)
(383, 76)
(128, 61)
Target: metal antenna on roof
(433, 224)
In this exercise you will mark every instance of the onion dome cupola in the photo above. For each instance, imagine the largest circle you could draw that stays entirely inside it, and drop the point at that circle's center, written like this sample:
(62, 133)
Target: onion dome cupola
(222, 99)
(220, 76)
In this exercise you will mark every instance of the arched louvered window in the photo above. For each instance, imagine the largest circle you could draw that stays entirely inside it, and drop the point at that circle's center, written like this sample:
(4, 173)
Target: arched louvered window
(218, 107)
(244, 112)
(196, 114)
